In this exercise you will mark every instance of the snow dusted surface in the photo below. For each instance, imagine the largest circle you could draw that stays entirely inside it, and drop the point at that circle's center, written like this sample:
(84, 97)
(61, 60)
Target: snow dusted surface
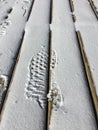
(24, 107)
(40, 15)
(83, 11)
(89, 32)
(91, 49)
(27, 114)
(11, 33)
(76, 112)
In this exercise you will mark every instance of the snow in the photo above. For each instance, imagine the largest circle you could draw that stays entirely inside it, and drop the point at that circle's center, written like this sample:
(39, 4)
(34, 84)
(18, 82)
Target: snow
(83, 11)
(37, 78)
(91, 49)
(28, 114)
(10, 40)
(55, 96)
(40, 15)
(89, 34)
(25, 105)
(77, 111)
(11, 33)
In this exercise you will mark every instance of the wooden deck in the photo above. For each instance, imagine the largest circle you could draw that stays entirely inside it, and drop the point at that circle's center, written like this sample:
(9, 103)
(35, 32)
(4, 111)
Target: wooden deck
(48, 65)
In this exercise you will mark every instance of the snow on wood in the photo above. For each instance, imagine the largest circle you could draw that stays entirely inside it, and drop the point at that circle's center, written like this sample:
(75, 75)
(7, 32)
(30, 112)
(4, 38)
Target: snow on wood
(40, 15)
(76, 111)
(11, 34)
(90, 40)
(83, 12)
(90, 49)
(27, 97)
(89, 36)
(25, 104)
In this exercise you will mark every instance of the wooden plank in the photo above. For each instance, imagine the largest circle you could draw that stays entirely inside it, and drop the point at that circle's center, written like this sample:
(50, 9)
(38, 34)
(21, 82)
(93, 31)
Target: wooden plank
(83, 12)
(39, 15)
(23, 105)
(26, 102)
(88, 72)
(87, 35)
(11, 34)
(72, 104)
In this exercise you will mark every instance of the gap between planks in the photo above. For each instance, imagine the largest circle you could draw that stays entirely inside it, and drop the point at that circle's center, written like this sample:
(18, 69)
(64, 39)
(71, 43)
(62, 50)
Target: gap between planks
(49, 109)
